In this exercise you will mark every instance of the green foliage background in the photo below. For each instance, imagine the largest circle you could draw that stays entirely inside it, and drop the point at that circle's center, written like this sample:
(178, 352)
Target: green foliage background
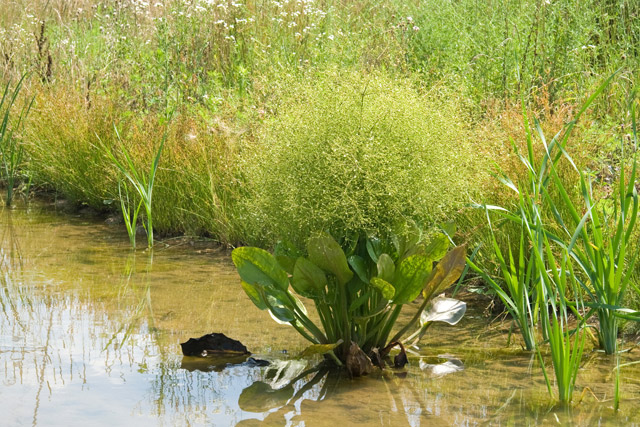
(353, 153)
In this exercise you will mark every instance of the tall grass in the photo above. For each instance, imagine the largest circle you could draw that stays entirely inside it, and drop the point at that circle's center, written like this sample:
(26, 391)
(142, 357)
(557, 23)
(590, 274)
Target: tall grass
(520, 279)
(11, 150)
(566, 345)
(233, 63)
(603, 255)
(195, 189)
(507, 49)
(142, 183)
(220, 49)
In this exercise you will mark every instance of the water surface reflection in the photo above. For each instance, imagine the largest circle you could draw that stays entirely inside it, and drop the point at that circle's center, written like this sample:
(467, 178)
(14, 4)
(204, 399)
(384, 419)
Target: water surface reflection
(90, 333)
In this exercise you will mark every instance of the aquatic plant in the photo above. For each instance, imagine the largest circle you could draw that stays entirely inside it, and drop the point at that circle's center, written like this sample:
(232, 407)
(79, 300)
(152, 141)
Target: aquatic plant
(142, 183)
(603, 255)
(11, 150)
(129, 213)
(520, 282)
(358, 294)
(599, 249)
(566, 345)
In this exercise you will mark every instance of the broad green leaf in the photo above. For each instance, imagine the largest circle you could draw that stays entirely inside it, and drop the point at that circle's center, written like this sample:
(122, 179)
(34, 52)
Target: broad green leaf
(437, 247)
(410, 277)
(386, 267)
(286, 253)
(298, 304)
(405, 237)
(279, 312)
(374, 248)
(385, 288)
(319, 349)
(327, 254)
(254, 295)
(308, 279)
(287, 263)
(449, 228)
(446, 272)
(358, 265)
(278, 302)
(256, 265)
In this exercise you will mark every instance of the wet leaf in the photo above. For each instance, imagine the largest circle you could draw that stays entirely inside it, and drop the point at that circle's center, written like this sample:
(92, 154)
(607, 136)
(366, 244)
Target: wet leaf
(376, 358)
(308, 279)
(400, 359)
(319, 349)
(358, 265)
(327, 254)
(437, 247)
(281, 315)
(254, 295)
(446, 272)
(386, 267)
(257, 266)
(374, 248)
(442, 309)
(410, 277)
(385, 288)
(279, 311)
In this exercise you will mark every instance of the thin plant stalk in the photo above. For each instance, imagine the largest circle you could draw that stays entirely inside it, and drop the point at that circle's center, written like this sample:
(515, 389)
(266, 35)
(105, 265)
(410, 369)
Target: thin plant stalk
(597, 243)
(603, 253)
(616, 397)
(566, 345)
(130, 218)
(142, 183)
(519, 283)
(11, 151)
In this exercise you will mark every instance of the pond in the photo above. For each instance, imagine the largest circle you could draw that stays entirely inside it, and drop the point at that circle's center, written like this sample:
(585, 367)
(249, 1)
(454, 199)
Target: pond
(90, 333)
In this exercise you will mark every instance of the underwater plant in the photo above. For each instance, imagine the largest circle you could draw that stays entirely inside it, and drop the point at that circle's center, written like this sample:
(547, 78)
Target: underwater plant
(358, 291)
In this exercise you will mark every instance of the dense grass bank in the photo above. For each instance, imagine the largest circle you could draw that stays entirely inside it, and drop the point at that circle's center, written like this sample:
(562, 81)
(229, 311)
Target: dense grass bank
(291, 116)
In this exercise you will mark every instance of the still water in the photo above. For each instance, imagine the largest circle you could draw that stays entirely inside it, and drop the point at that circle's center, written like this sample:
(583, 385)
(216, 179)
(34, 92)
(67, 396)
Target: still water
(90, 333)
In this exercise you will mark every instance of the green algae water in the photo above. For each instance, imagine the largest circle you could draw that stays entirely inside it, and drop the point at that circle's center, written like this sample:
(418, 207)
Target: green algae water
(90, 333)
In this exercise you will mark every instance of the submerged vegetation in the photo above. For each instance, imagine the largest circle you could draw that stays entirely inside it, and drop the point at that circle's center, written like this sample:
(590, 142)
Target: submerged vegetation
(325, 124)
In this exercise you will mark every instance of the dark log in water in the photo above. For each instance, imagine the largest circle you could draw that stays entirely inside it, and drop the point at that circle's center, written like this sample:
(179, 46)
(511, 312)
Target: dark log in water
(213, 344)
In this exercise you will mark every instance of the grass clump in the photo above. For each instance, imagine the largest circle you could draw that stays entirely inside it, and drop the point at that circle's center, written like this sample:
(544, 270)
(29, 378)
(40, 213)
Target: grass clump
(11, 150)
(352, 153)
(143, 184)
(194, 185)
